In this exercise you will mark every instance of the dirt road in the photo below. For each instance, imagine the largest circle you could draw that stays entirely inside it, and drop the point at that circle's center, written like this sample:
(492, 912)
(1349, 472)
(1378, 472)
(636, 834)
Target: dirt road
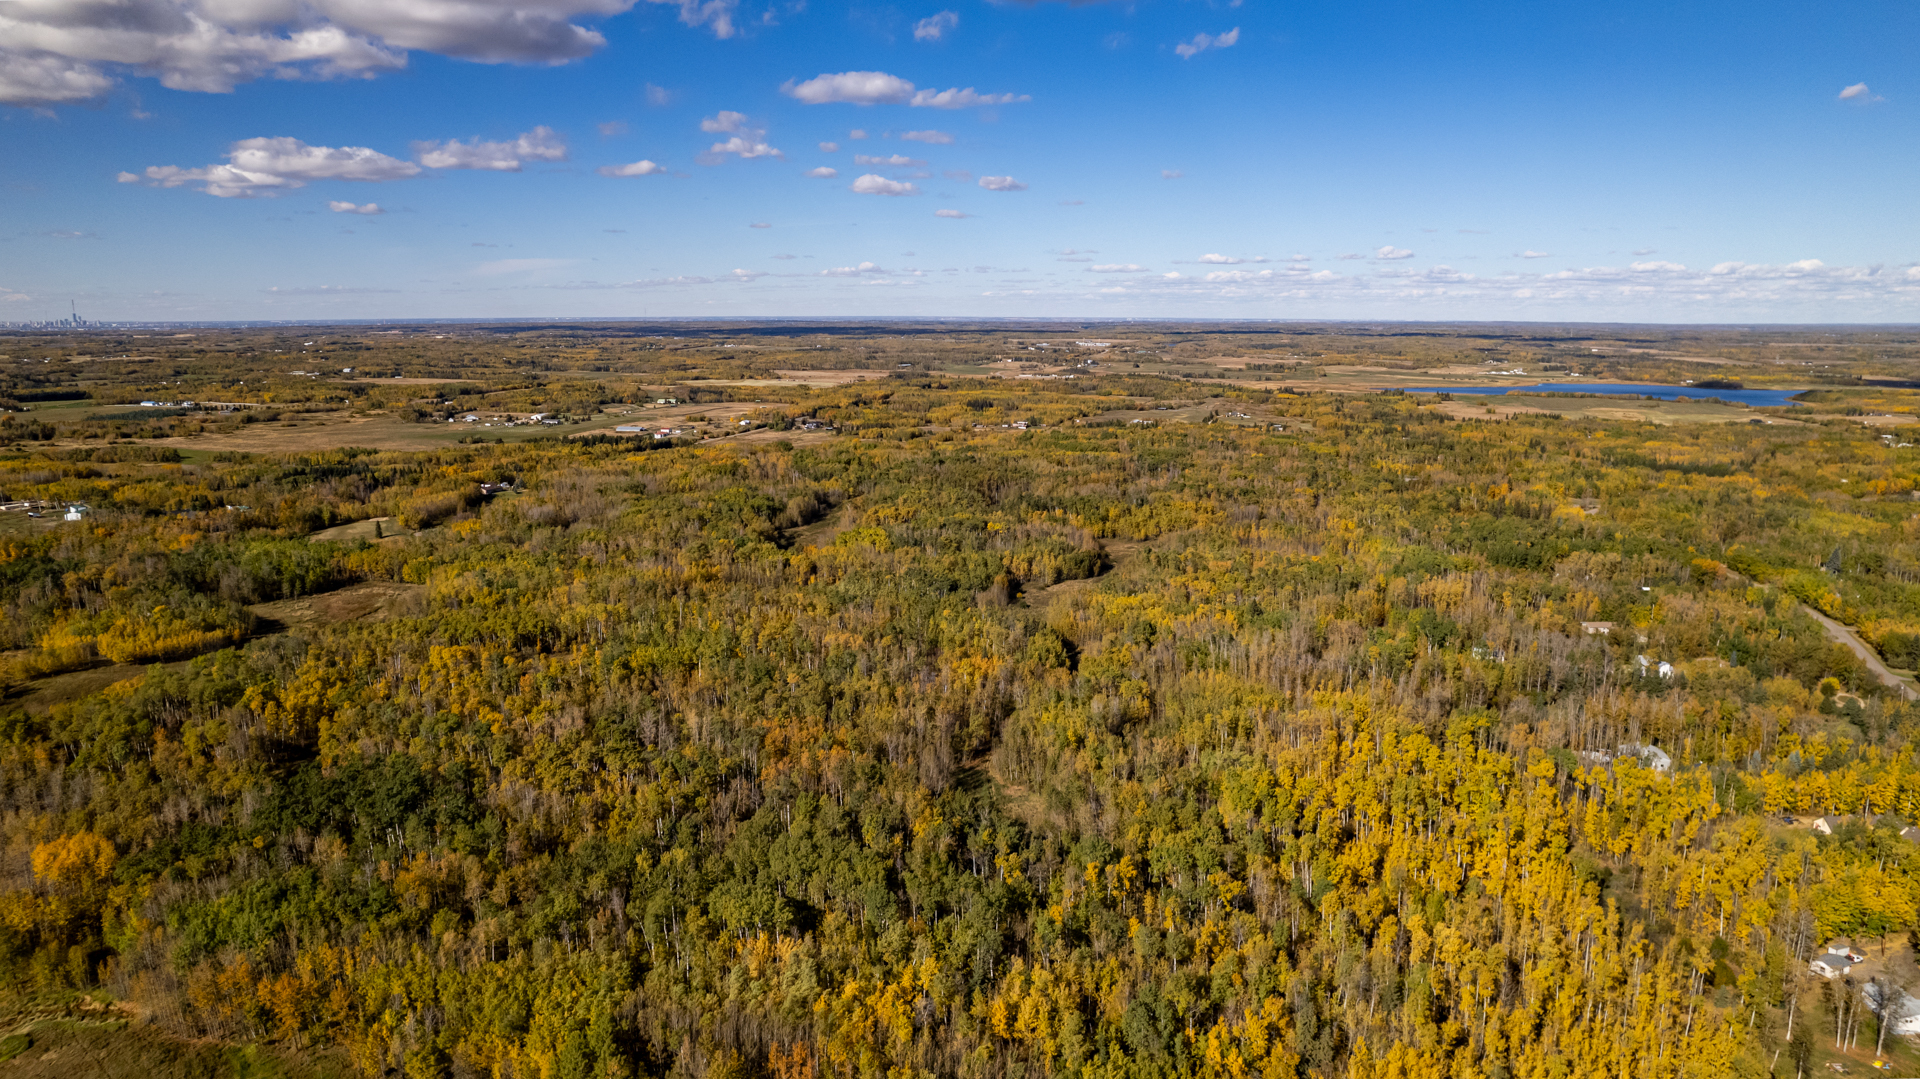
(1846, 636)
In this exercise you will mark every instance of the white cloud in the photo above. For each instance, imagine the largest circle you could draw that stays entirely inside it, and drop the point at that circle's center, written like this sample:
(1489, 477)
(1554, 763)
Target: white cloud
(953, 214)
(1202, 42)
(268, 166)
(744, 146)
(935, 27)
(1228, 260)
(857, 134)
(823, 173)
(1392, 253)
(1859, 93)
(851, 87)
(637, 168)
(864, 269)
(370, 209)
(1532, 254)
(658, 95)
(1639, 252)
(715, 14)
(1299, 258)
(611, 128)
(870, 184)
(1171, 174)
(728, 123)
(540, 144)
(27, 79)
(1731, 291)
(748, 141)
(748, 275)
(829, 147)
(936, 138)
(963, 99)
(54, 51)
(1001, 183)
(1117, 267)
(880, 88)
(897, 160)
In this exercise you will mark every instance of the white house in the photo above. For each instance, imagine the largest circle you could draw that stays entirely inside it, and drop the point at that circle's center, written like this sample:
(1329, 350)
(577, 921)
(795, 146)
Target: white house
(1826, 967)
(1649, 755)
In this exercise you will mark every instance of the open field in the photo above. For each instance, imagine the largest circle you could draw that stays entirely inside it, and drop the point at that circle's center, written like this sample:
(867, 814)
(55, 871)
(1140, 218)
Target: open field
(374, 601)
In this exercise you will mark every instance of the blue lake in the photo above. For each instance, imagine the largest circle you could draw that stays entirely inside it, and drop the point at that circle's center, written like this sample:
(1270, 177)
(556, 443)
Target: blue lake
(1617, 389)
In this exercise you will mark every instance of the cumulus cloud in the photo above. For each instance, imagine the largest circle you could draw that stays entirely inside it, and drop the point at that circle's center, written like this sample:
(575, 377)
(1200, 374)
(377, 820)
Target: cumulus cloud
(857, 134)
(611, 128)
(863, 269)
(370, 209)
(1532, 254)
(935, 27)
(823, 173)
(897, 160)
(1202, 42)
(716, 15)
(27, 79)
(269, 166)
(658, 95)
(54, 51)
(872, 184)
(725, 122)
(540, 144)
(1859, 94)
(1392, 253)
(743, 146)
(829, 147)
(880, 88)
(748, 275)
(1657, 267)
(952, 214)
(1117, 267)
(637, 168)
(1001, 183)
(937, 138)
(748, 140)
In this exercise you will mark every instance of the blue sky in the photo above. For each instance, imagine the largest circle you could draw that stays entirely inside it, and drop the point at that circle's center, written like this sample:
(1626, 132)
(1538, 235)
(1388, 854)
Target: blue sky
(225, 159)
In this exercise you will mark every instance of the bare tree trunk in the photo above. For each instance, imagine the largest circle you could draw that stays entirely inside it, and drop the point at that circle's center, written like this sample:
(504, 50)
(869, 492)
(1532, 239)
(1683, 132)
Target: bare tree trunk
(1885, 993)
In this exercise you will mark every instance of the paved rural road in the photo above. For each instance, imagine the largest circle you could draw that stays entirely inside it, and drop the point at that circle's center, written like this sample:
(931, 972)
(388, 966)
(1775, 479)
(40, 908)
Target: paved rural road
(1847, 637)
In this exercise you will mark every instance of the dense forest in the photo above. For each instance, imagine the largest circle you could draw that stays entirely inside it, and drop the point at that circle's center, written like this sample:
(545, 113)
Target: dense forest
(1303, 747)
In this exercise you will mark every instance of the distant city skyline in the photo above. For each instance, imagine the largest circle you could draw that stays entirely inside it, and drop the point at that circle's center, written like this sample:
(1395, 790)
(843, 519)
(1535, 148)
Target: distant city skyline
(182, 160)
